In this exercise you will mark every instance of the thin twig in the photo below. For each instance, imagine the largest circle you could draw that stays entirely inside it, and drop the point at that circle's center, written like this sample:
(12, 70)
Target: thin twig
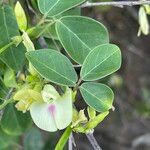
(42, 42)
(116, 4)
(71, 142)
(30, 8)
(93, 141)
(77, 85)
(70, 146)
(77, 66)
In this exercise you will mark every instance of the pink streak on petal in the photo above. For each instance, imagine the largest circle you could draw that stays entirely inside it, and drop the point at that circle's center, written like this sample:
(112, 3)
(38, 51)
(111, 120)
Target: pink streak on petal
(52, 109)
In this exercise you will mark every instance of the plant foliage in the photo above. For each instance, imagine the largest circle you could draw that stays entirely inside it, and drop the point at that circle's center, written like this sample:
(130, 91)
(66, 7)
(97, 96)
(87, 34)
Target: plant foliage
(47, 83)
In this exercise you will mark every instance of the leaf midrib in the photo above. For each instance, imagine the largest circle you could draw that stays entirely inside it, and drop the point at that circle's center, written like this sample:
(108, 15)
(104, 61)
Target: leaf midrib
(52, 70)
(99, 64)
(89, 49)
(94, 96)
(53, 6)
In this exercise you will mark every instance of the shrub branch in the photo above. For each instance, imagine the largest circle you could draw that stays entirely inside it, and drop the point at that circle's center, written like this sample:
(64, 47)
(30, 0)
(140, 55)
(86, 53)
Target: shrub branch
(93, 141)
(116, 4)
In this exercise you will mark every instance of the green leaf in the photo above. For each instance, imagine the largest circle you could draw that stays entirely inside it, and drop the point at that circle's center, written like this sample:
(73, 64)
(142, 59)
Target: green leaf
(53, 66)
(33, 140)
(6, 140)
(50, 32)
(98, 96)
(3, 90)
(79, 35)
(143, 21)
(53, 44)
(102, 61)
(10, 78)
(147, 8)
(93, 123)
(14, 122)
(54, 115)
(72, 12)
(20, 16)
(56, 7)
(91, 113)
(13, 56)
(27, 42)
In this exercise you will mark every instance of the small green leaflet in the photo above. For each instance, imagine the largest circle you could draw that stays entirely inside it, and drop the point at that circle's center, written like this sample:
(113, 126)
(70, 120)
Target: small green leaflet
(53, 66)
(13, 56)
(91, 112)
(20, 16)
(55, 115)
(93, 123)
(98, 96)
(143, 22)
(102, 61)
(79, 35)
(17, 124)
(147, 8)
(56, 7)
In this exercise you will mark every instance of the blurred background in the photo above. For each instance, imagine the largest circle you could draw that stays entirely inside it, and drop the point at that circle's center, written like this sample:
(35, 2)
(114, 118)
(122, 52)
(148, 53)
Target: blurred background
(128, 127)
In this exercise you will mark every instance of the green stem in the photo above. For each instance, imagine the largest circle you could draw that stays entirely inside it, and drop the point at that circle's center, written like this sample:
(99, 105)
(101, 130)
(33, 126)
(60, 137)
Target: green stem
(6, 46)
(77, 85)
(50, 24)
(64, 138)
(42, 20)
(37, 31)
(30, 32)
(5, 103)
